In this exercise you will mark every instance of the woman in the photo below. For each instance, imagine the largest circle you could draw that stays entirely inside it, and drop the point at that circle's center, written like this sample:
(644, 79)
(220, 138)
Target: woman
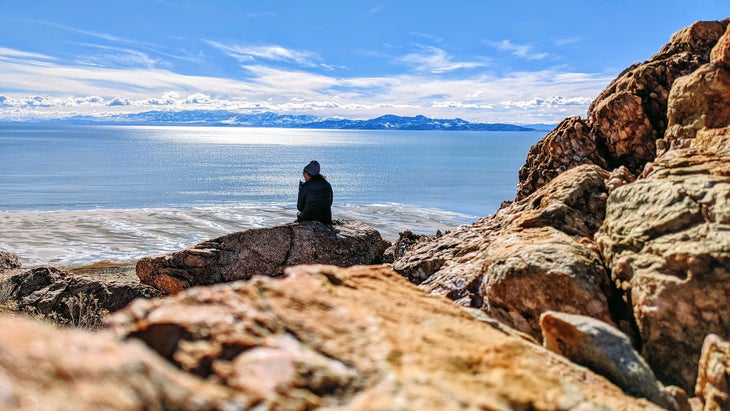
(315, 196)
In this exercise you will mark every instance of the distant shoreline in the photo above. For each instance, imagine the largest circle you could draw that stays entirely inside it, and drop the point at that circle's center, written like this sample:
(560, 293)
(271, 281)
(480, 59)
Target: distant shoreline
(223, 118)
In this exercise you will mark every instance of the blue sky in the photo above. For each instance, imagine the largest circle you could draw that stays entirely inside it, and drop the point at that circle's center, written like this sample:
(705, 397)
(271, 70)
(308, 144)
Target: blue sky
(488, 61)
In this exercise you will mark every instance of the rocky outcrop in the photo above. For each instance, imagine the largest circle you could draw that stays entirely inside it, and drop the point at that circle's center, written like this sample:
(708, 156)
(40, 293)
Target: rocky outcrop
(68, 298)
(606, 351)
(263, 251)
(700, 103)
(626, 120)
(46, 368)
(665, 236)
(650, 167)
(361, 338)
(666, 240)
(8, 261)
(713, 381)
(540, 243)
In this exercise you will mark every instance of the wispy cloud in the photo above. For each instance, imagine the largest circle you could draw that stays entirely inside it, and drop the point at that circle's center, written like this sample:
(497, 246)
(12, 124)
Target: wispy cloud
(435, 60)
(519, 50)
(375, 10)
(248, 54)
(118, 57)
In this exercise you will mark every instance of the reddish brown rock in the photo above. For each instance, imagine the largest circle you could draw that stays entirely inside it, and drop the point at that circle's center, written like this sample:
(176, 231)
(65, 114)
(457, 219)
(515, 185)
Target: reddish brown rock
(626, 120)
(720, 55)
(569, 145)
(263, 251)
(539, 243)
(713, 381)
(46, 368)
(361, 338)
(666, 238)
(699, 101)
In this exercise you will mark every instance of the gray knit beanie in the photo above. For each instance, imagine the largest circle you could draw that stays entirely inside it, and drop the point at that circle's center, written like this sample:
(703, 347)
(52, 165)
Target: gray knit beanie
(312, 168)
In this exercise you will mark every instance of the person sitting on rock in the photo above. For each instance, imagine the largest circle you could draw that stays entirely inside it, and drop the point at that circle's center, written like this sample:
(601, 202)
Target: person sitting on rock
(315, 196)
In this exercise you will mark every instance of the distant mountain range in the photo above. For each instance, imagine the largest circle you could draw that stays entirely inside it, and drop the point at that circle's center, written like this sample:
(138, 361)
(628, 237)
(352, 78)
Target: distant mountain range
(267, 119)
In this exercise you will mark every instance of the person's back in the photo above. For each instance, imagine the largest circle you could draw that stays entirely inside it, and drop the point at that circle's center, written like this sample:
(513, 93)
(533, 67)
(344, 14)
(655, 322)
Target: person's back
(315, 196)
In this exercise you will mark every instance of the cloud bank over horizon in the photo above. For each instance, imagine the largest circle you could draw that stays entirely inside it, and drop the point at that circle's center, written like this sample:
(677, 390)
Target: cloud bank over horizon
(66, 89)
(490, 63)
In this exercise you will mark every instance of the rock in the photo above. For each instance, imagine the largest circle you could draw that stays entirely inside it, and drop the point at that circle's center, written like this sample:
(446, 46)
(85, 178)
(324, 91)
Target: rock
(626, 120)
(605, 350)
(8, 261)
(539, 243)
(570, 276)
(666, 238)
(700, 100)
(263, 251)
(361, 338)
(720, 55)
(47, 368)
(569, 145)
(406, 240)
(713, 381)
(68, 298)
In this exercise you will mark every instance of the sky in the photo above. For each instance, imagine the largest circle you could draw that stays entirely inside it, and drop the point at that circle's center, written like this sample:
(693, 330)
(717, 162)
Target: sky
(518, 61)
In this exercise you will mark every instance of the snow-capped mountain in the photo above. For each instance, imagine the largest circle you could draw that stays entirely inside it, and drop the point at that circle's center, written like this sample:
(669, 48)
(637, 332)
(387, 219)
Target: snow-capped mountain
(268, 119)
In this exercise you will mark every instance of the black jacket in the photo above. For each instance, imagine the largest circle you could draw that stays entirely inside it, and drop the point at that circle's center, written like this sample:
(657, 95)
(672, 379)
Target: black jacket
(315, 200)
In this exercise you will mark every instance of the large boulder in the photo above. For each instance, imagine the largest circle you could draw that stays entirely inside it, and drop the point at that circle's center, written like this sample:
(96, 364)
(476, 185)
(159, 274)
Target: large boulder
(626, 120)
(361, 338)
(263, 251)
(605, 350)
(700, 102)
(539, 243)
(666, 238)
(47, 368)
(68, 298)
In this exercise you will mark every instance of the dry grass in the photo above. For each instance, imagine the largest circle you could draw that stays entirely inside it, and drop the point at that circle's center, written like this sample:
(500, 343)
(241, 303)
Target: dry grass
(84, 311)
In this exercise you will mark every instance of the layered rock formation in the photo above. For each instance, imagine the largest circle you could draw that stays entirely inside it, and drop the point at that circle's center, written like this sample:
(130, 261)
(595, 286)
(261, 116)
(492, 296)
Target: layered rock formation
(263, 251)
(636, 197)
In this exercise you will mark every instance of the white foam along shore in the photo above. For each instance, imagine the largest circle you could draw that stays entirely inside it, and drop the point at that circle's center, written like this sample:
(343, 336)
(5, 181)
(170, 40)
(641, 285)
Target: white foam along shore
(82, 237)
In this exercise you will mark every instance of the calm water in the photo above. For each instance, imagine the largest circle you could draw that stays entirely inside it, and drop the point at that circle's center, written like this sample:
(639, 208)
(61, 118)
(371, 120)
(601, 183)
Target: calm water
(79, 194)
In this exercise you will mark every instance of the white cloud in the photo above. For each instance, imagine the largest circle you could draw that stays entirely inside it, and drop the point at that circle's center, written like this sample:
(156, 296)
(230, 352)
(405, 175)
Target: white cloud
(271, 53)
(553, 101)
(119, 101)
(435, 60)
(519, 50)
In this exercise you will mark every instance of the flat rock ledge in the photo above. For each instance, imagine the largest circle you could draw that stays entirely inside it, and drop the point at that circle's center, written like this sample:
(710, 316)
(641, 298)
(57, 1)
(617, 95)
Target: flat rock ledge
(263, 251)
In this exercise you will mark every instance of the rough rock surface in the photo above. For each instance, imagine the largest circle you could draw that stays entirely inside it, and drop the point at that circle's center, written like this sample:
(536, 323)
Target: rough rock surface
(8, 261)
(700, 100)
(538, 243)
(48, 290)
(361, 338)
(263, 251)
(627, 118)
(713, 381)
(47, 368)
(605, 350)
(666, 238)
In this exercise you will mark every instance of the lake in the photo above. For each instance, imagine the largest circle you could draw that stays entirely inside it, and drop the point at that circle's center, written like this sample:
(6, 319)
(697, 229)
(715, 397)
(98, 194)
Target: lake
(74, 195)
